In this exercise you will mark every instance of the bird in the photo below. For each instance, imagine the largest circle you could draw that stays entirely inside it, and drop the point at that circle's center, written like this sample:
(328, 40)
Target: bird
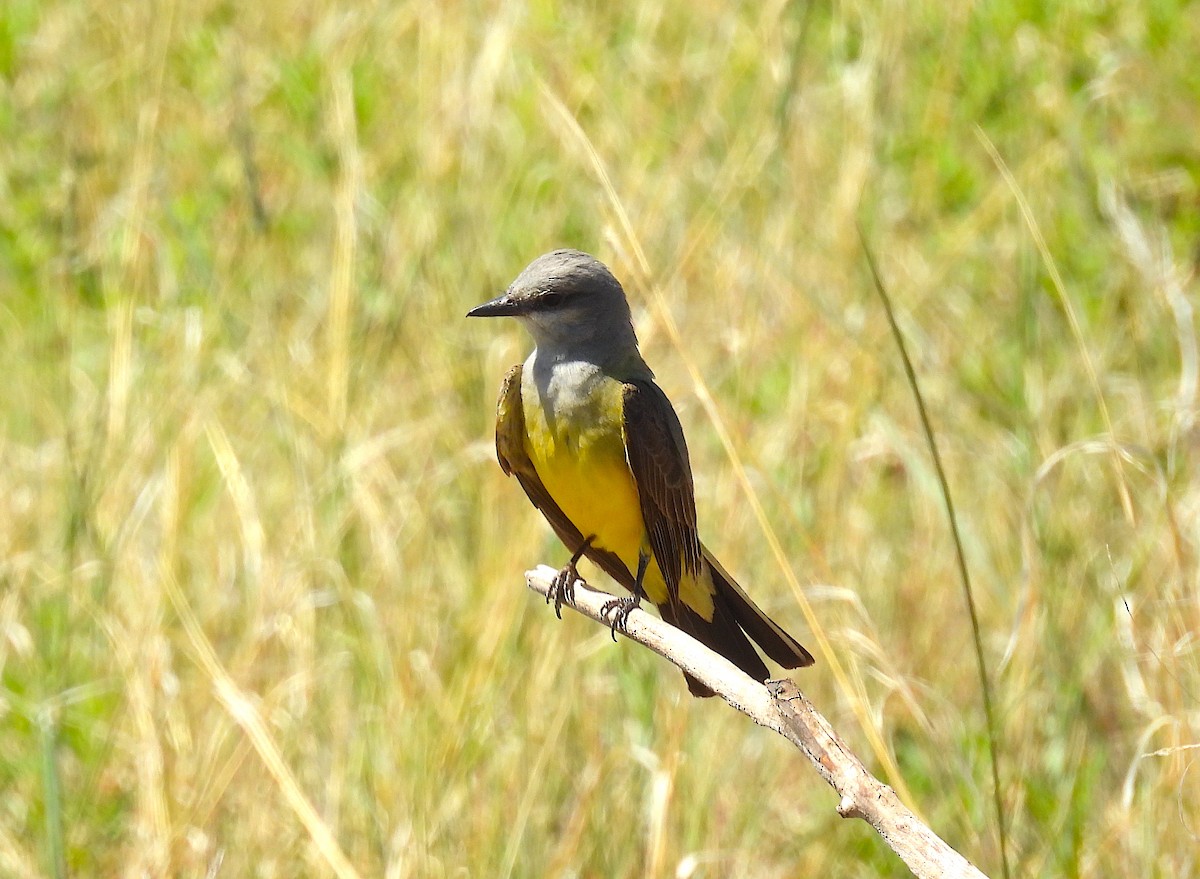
(599, 451)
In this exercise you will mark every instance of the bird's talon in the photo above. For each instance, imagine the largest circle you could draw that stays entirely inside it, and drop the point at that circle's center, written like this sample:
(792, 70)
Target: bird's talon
(562, 588)
(617, 613)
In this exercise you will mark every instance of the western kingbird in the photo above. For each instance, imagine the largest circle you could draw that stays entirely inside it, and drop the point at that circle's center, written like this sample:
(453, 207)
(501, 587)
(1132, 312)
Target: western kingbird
(599, 450)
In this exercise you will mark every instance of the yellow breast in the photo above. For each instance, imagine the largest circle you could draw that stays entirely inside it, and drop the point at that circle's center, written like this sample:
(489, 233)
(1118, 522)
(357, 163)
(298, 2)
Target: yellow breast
(578, 447)
(579, 453)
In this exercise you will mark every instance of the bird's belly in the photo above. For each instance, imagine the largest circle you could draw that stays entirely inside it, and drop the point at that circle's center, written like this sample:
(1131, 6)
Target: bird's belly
(590, 480)
(580, 458)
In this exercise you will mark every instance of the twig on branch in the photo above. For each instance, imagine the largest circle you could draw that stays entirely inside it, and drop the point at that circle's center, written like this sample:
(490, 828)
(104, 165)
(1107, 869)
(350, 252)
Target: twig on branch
(780, 706)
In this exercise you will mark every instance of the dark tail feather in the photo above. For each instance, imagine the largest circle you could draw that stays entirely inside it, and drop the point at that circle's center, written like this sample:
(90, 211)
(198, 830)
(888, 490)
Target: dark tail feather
(735, 617)
(773, 640)
(722, 636)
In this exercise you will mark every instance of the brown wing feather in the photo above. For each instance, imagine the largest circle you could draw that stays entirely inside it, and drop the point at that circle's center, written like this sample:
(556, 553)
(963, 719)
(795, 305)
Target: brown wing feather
(514, 461)
(657, 455)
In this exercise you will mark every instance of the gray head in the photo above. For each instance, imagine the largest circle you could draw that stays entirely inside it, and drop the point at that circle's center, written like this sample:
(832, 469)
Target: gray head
(571, 303)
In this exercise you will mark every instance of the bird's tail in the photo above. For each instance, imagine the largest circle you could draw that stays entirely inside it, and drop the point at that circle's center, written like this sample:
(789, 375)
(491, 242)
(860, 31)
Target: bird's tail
(735, 622)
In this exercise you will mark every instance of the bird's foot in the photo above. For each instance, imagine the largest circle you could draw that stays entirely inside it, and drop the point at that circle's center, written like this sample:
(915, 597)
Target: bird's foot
(618, 610)
(562, 587)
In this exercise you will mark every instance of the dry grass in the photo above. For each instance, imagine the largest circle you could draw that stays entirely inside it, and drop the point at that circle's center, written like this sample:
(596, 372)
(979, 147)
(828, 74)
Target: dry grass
(261, 608)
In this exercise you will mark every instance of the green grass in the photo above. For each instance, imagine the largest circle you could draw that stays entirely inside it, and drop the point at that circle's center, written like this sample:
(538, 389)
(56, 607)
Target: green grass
(236, 245)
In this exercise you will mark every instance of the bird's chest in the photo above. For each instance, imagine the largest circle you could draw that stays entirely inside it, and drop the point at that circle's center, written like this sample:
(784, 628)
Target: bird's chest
(575, 432)
(574, 420)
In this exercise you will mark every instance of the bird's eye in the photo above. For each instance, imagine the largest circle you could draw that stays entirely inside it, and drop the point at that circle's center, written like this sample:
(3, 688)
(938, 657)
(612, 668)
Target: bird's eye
(551, 299)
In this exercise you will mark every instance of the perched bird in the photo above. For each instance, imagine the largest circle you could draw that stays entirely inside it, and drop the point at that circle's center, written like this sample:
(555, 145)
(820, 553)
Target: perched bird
(599, 450)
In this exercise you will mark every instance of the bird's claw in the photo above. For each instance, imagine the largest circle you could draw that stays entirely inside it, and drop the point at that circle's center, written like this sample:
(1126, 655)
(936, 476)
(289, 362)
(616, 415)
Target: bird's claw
(617, 612)
(562, 587)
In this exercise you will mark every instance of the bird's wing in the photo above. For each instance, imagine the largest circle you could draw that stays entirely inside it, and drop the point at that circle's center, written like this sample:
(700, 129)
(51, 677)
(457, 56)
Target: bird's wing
(514, 461)
(657, 455)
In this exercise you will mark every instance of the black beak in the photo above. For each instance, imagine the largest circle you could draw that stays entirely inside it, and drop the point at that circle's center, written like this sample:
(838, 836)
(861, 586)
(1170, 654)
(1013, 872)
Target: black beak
(501, 306)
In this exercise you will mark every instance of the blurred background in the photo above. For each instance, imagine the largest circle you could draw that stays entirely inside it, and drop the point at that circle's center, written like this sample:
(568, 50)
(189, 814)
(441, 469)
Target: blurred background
(262, 609)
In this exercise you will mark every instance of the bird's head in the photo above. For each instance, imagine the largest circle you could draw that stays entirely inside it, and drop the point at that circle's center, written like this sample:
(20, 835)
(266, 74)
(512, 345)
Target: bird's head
(570, 302)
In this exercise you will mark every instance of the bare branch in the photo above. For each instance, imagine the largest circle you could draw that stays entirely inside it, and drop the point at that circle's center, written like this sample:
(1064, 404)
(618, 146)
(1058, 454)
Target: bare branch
(780, 706)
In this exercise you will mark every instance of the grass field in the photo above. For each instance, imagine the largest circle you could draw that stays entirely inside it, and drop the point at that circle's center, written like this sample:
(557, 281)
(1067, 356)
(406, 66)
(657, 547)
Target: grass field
(261, 601)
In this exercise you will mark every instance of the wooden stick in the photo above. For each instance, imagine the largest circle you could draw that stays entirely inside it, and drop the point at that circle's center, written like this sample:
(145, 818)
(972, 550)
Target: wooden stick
(780, 706)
